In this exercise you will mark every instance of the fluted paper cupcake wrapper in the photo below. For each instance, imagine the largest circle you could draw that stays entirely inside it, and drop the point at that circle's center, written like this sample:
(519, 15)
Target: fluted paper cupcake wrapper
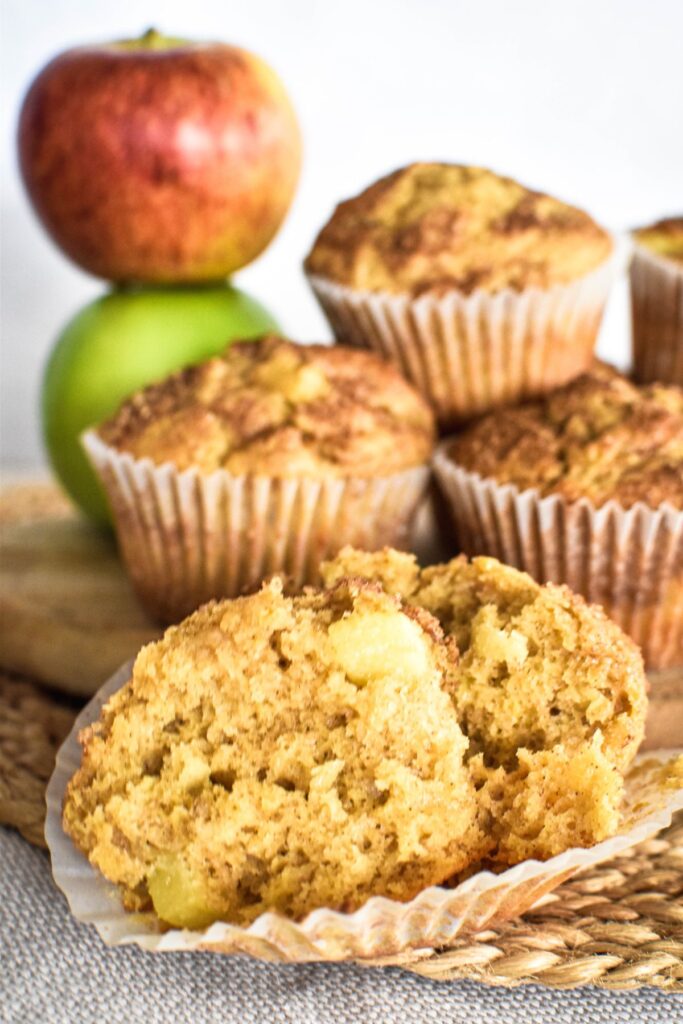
(382, 927)
(657, 317)
(628, 560)
(187, 537)
(470, 353)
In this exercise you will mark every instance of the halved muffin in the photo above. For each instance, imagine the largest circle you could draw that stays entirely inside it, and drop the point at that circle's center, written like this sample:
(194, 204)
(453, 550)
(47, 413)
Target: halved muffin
(279, 753)
(550, 693)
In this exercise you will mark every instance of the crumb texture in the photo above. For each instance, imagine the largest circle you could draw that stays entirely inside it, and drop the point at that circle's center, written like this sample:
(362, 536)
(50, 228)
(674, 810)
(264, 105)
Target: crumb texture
(371, 738)
(601, 437)
(665, 238)
(280, 753)
(280, 409)
(550, 693)
(432, 227)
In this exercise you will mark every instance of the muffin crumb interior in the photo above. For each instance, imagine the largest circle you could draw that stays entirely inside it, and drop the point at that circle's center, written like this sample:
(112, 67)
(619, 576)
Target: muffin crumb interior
(550, 694)
(280, 753)
(374, 737)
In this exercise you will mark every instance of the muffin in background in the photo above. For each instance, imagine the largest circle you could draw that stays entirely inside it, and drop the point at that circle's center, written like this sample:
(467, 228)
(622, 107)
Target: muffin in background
(264, 459)
(279, 753)
(550, 693)
(483, 291)
(583, 487)
(657, 302)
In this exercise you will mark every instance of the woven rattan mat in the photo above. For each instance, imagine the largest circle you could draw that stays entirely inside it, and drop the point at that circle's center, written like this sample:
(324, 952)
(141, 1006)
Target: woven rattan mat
(619, 925)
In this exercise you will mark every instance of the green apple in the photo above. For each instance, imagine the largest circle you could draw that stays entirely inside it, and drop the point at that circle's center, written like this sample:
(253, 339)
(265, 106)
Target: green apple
(120, 343)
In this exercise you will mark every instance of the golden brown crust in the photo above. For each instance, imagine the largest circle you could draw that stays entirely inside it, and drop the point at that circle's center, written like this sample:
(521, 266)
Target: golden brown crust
(433, 227)
(601, 437)
(281, 409)
(664, 238)
(279, 753)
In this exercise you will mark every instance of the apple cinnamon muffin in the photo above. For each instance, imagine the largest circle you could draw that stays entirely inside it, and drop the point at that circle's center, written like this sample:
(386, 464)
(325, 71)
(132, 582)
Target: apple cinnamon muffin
(460, 274)
(261, 460)
(657, 301)
(585, 487)
(279, 753)
(664, 238)
(550, 693)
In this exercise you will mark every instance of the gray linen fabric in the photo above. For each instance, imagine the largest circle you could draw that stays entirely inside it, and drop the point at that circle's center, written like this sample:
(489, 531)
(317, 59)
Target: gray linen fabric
(54, 970)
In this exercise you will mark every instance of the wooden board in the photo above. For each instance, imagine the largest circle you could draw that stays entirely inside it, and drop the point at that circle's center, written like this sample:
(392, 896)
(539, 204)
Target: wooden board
(664, 728)
(68, 616)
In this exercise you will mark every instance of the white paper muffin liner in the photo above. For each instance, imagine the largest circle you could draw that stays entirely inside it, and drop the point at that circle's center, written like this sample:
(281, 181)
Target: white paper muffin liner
(628, 560)
(382, 927)
(186, 537)
(657, 317)
(470, 353)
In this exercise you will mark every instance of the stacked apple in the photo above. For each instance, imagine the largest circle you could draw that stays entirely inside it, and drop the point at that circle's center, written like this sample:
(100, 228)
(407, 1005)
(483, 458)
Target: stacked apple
(163, 166)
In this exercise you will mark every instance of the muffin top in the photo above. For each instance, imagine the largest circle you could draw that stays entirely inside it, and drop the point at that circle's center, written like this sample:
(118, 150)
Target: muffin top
(279, 753)
(600, 437)
(431, 227)
(665, 238)
(551, 695)
(276, 408)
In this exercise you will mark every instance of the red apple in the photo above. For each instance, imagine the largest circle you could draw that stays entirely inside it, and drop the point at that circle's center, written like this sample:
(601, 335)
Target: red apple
(159, 160)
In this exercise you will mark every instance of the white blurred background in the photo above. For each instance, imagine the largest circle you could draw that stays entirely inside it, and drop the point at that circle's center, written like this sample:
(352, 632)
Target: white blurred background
(583, 99)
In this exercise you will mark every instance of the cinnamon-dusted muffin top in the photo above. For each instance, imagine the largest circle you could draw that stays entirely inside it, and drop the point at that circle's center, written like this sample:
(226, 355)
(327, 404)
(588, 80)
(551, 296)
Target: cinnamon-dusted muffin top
(281, 409)
(430, 227)
(599, 437)
(665, 238)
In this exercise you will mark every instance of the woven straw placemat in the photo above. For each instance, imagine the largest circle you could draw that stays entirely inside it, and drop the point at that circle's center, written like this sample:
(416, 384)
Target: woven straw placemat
(618, 926)
(33, 724)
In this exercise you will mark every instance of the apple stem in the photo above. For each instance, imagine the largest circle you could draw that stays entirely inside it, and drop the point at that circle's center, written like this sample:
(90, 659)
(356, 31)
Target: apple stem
(153, 41)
